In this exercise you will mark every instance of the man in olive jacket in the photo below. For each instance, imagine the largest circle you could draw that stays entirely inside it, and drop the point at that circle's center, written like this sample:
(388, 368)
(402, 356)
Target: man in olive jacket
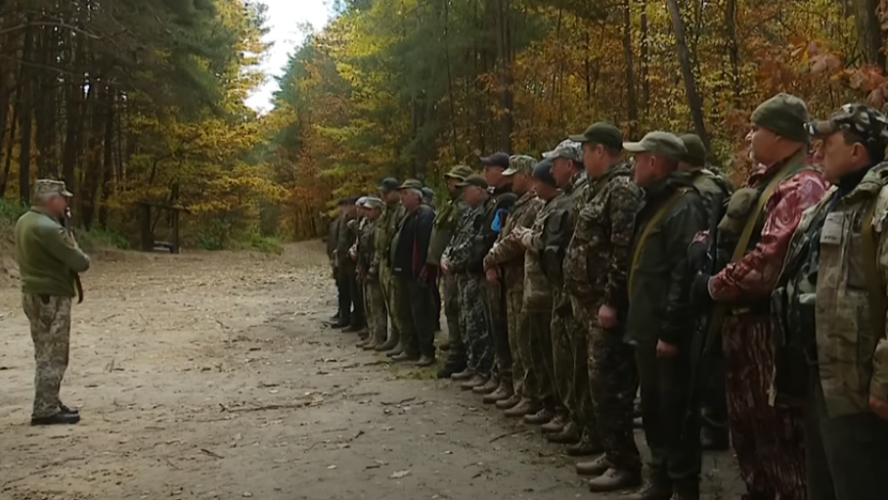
(49, 260)
(659, 322)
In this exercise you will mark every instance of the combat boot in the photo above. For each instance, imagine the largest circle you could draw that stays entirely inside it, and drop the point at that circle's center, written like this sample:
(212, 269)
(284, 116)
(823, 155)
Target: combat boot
(504, 391)
(67, 409)
(614, 480)
(524, 407)
(425, 361)
(714, 439)
(405, 356)
(60, 418)
(557, 424)
(570, 434)
(389, 344)
(586, 446)
(475, 381)
(462, 376)
(510, 402)
(399, 349)
(651, 491)
(594, 468)
(450, 368)
(541, 417)
(489, 387)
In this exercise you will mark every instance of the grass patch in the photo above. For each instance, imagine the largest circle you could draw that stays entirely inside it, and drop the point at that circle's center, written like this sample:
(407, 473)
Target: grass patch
(10, 211)
(97, 238)
(219, 235)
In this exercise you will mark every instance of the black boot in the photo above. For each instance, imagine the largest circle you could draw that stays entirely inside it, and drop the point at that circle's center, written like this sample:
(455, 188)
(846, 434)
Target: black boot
(59, 418)
(451, 367)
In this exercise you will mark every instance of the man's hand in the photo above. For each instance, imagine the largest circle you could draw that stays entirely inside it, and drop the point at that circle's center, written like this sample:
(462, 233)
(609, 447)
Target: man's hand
(428, 275)
(492, 275)
(526, 236)
(445, 268)
(607, 316)
(879, 407)
(665, 350)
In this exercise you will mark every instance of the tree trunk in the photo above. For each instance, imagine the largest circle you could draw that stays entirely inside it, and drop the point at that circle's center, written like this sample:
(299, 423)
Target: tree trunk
(733, 49)
(869, 32)
(645, 60)
(632, 99)
(94, 156)
(108, 160)
(695, 102)
(4, 181)
(25, 118)
(502, 10)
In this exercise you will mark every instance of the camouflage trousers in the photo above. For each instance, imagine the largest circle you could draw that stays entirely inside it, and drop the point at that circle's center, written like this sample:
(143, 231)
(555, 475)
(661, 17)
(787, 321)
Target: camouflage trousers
(523, 375)
(386, 281)
(374, 304)
(50, 319)
(472, 325)
(498, 326)
(542, 361)
(450, 297)
(613, 382)
(570, 352)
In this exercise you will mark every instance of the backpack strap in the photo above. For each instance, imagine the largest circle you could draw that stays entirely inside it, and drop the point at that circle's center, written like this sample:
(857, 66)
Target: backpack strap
(655, 220)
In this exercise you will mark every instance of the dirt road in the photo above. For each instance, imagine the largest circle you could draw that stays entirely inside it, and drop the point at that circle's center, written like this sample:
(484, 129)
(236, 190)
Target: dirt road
(208, 376)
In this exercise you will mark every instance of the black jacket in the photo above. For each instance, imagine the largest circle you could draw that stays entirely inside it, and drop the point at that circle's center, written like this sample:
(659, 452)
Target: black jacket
(411, 244)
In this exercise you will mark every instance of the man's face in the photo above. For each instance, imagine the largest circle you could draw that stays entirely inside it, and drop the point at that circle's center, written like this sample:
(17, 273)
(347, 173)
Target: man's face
(373, 213)
(494, 175)
(56, 205)
(594, 159)
(472, 194)
(390, 196)
(838, 158)
(544, 190)
(645, 168)
(522, 182)
(410, 199)
(762, 143)
(451, 186)
(562, 171)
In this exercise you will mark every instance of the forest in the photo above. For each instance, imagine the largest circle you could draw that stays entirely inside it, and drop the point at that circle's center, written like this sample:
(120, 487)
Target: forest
(143, 101)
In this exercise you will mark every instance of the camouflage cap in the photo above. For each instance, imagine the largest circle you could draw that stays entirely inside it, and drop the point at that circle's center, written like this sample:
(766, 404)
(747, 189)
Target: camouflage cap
(660, 143)
(372, 203)
(496, 160)
(389, 184)
(867, 123)
(474, 180)
(543, 173)
(360, 201)
(696, 151)
(602, 133)
(520, 163)
(570, 149)
(411, 184)
(43, 187)
(784, 114)
(459, 172)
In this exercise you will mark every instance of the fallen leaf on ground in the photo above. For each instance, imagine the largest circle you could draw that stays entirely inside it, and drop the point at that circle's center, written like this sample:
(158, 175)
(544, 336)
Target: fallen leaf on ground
(400, 474)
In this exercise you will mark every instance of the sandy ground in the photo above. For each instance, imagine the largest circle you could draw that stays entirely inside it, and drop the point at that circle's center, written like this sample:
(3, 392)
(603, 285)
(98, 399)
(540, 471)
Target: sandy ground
(209, 376)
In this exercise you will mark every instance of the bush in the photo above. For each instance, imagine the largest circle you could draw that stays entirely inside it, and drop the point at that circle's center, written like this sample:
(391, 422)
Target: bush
(10, 211)
(219, 235)
(97, 238)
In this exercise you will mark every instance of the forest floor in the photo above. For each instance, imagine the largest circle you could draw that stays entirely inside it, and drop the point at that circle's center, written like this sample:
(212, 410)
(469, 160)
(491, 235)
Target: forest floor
(210, 376)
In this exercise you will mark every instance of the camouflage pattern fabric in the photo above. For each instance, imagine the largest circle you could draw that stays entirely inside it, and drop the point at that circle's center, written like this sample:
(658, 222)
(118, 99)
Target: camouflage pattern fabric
(50, 319)
(386, 226)
(450, 298)
(542, 360)
(523, 374)
(569, 352)
(867, 123)
(377, 320)
(472, 324)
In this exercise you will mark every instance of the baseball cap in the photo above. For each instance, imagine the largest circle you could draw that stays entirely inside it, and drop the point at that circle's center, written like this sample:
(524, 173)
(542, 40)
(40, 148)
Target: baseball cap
(520, 163)
(411, 184)
(474, 180)
(389, 184)
(867, 123)
(459, 172)
(569, 149)
(372, 202)
(543, 172)
(602, 133)
(696, 150)
(50, 186)
(496, 160)
(661, 143)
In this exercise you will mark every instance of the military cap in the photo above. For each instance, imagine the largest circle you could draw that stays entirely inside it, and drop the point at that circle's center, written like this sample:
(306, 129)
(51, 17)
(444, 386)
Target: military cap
(389, 184)
(603, 133)
(360, 201)
(784, 114)
(372, 203)
(411, 184)
(543, 172)
(661, 143)
(428, 193)
(459, 172)
(496, 160)
(696, 151)
(44, 187)
(570, 149)
(866, 123)
(474, 180)
(520, 163)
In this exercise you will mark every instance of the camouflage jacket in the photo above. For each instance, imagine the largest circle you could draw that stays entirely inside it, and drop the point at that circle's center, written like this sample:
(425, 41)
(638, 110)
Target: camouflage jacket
(551, 234)
(467, 239)
(386, 226)
(852, 357)
(597, 258)
(537, 288)
(508, 252)
(660, 280)
(445, 225)
(366, 249)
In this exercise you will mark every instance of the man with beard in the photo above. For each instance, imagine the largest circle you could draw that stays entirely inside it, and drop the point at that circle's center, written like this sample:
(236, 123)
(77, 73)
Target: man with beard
(444, 228)
(832, 349)
(504, 266)
(755, 233)
(595, 276)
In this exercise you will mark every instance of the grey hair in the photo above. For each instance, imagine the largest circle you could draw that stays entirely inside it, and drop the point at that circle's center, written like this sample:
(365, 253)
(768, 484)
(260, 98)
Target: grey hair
(415, 192)
(43, 198)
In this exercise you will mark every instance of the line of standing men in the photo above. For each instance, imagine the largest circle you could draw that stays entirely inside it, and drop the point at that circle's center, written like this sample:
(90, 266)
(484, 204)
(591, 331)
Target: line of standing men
(572, 283)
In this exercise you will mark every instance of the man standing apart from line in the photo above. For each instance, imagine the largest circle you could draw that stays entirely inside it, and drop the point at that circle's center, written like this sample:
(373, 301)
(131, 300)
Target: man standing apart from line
(760, 220)
(595, 274)
(49, 260)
